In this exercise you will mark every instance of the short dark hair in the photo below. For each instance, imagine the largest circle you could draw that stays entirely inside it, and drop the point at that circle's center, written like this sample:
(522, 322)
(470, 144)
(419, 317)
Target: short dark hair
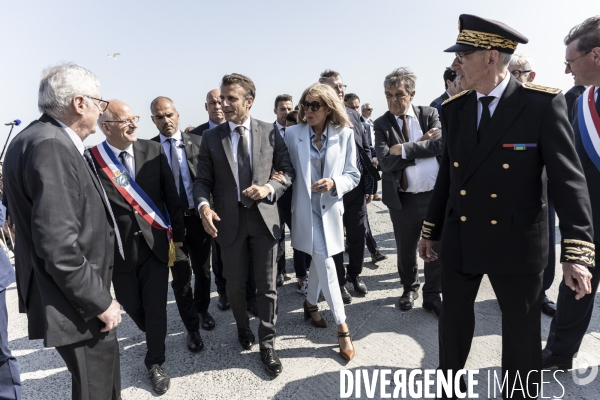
(328, 73)
(588, 34)
(283, 97)
(292, 116)
(351, 97)
(239, 79)
(449, 75)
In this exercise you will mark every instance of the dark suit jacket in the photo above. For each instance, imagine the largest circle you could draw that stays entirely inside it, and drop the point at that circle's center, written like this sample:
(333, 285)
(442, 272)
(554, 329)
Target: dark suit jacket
(192, 148)
(154, 176)
(571, 96)
(388, 134)
(216, 176)
(363, 150)
(200, 129)
(489, 202)
(64, 243)
(440, 99)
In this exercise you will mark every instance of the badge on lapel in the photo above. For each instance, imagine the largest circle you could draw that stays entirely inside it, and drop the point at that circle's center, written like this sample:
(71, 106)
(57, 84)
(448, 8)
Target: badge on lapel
(519, 146)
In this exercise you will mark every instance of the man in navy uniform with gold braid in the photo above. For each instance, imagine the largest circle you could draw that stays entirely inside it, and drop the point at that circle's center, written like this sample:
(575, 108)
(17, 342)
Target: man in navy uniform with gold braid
(489, 207)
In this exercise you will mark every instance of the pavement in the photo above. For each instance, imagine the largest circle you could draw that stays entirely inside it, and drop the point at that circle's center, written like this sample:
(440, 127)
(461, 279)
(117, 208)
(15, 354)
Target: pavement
(384, 338)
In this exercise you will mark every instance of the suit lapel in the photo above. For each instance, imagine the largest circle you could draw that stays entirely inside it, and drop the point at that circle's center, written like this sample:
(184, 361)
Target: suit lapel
(226, 142)
(256, 143)
(395, 127)
(303, 145)
(189, 154)
(420, 118)
(507, 110)
(139, 155)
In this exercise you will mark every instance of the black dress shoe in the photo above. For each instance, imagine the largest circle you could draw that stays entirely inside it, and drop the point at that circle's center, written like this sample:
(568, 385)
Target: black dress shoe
(194, 341)
(346, 297)
(246, 338)
(207, 322)
(252, 307)
(223, 302)
(434, 306)
(280, 279)
(377, 256)
(161, 382)
(548, 306)
(271, 361)
(554, 361)
(407, 301)
(359, 285)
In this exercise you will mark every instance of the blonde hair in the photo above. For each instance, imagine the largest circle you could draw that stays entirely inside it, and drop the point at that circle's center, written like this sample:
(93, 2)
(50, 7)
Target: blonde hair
(330, 99)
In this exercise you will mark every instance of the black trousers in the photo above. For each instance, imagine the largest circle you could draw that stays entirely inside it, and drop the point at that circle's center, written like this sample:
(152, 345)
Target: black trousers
(197, 247)
(143, 294)
(184, 298)
(550, 268)
(355, 211)
(95, 367)
(301, 259)
(221, 282)
(10, 379)
(572, 317)
(407, 225)
(520, 302)
(253, 240)
(370, 240)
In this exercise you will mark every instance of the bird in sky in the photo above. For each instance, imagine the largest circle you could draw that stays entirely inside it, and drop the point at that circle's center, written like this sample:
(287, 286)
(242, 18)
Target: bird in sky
(114, 55)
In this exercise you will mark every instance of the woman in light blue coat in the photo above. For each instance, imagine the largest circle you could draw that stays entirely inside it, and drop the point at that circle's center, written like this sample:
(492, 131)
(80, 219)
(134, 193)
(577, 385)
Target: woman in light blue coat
(323, 153)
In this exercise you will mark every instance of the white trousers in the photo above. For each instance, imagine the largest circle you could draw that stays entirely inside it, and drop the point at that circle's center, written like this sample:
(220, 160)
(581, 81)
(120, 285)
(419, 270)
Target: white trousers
(323, 275)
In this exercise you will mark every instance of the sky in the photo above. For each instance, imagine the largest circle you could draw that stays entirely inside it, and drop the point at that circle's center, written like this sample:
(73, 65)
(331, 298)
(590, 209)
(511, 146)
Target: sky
(182, 49)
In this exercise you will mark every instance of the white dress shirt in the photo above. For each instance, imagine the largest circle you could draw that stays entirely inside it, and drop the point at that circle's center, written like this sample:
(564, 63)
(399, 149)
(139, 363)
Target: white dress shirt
(281, 129)
(182, 161)
(73, 136)
(129, 159)
(212, 124)
(497, 93)
(421, 176)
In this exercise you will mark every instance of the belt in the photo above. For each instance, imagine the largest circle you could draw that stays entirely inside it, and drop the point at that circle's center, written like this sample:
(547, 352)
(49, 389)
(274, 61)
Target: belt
(429, 191)
(191, 212)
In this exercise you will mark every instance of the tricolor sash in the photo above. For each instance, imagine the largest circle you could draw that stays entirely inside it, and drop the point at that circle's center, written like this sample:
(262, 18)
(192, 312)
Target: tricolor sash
(133, 193)
(589, 125)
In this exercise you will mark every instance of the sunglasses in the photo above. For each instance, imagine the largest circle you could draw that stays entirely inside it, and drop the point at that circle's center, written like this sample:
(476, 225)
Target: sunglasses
(315, 105)
(369, 109)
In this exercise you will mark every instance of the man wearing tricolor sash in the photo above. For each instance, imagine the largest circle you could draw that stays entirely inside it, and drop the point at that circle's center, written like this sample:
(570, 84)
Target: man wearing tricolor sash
(142, 192)
(573, 315)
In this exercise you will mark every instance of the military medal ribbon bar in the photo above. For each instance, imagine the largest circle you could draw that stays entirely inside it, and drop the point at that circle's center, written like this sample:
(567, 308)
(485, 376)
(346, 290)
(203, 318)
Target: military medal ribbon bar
(519, 146)
(589, 125)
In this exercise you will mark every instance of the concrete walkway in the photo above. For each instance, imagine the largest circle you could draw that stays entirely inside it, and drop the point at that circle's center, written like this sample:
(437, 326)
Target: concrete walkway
(384, 338)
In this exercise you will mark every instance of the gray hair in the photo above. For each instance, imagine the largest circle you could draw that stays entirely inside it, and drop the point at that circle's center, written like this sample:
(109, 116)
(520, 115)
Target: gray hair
(401, 76)
(523, 60)
(328, 73)
(60, 84)
(504, 58)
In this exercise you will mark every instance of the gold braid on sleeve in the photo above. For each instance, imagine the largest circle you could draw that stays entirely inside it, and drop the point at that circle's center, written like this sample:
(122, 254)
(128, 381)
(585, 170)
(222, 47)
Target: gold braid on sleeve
(579, 250)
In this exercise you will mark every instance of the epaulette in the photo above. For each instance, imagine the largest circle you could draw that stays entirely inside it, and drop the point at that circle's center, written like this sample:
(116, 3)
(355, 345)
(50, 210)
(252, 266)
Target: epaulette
(540, 88)
(456, 96)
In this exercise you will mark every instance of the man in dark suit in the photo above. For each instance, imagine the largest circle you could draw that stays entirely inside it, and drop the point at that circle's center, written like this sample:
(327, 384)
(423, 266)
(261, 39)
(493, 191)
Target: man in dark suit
(235, 164)
(141, 280)
(408, 144)
(356, 200)
(181, 150)
(215, 118)
(489, 202)
(572, 95)
(573, 313)
(65, 244)
(452, 87)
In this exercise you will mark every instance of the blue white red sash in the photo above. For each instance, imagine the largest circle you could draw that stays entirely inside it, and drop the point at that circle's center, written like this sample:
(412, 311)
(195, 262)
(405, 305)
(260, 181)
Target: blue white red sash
(589, 125)
(129, 189)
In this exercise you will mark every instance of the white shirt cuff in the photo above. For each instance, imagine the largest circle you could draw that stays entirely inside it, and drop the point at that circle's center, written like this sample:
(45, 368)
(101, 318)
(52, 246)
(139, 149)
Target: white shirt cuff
(272, 195)
(201, 204)
(403, 152)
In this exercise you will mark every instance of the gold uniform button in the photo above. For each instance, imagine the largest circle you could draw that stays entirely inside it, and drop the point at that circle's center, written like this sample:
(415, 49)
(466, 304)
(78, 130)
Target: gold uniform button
(463, 219)
(494, 195)
(463, 192)
(456, 164)
(505, 166)
(494, 222)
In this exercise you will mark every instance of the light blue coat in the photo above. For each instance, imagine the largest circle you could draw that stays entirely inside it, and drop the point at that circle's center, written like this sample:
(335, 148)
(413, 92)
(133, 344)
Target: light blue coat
(340, 165)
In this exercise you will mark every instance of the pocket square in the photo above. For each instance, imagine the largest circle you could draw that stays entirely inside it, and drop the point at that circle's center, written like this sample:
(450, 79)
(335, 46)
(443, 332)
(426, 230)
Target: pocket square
(519, 146)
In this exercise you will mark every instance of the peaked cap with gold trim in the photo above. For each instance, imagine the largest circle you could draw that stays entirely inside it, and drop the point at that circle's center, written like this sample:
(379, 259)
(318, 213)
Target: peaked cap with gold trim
(476, 33)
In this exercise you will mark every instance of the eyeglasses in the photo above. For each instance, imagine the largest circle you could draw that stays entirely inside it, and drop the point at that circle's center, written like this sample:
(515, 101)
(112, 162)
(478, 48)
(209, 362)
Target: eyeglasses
(517, 73)
(461, 56)
(102, 104)
(368, 109)
(315, 105)
(568, 63)
(129, 121)
(339, 88)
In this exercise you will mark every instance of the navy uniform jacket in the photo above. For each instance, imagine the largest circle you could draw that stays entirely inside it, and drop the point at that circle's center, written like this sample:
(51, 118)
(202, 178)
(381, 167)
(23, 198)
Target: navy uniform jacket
(489, 205)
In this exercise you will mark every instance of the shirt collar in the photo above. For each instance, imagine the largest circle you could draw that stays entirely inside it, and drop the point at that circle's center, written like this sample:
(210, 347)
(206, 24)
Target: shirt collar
(313, 135)
(211, 124)
(73, 136)
(498, 90)
(176, 136)
(279, 126)
(128, 150)
(246, 125)
(409, 113)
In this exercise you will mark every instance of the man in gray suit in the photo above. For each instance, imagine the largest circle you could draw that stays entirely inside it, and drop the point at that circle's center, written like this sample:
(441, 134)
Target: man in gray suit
(235, 163)
(65, 246)
(407, 157)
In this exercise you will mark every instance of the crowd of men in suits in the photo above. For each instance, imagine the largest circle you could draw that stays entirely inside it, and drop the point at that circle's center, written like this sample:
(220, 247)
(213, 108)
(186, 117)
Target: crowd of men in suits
(464, 179)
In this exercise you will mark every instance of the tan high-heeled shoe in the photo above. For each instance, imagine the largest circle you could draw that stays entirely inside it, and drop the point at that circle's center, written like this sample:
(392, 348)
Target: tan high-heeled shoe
(307, 314)
(347, 354)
